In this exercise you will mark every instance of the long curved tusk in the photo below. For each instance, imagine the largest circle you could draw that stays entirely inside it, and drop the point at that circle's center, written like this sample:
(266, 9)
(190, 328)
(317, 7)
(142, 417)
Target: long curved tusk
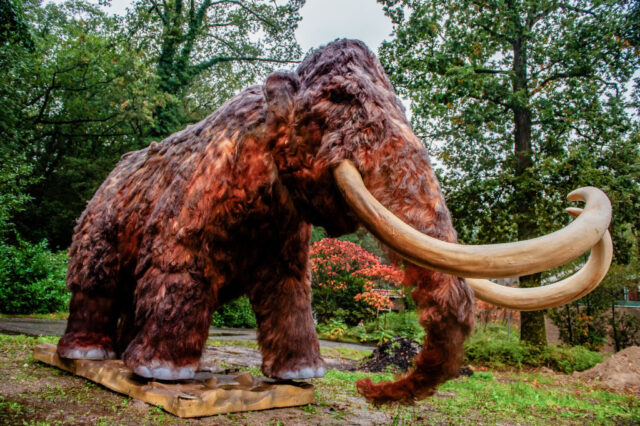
(556, 294)
(481, 261)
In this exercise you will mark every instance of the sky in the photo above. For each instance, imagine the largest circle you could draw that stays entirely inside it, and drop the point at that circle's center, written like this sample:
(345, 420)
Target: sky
(321, 22)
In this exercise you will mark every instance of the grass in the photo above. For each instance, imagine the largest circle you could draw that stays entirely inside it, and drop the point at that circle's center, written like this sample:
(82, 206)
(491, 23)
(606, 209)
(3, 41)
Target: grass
(530, 399)
(243, 343)
(52, 315)
(33, 393)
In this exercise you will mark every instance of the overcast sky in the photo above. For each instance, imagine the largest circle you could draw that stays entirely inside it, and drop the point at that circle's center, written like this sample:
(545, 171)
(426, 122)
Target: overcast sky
(326, 20)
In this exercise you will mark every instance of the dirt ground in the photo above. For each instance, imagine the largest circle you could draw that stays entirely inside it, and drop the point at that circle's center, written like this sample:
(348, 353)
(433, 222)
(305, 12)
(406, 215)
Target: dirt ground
(619, 373)
(34, 393)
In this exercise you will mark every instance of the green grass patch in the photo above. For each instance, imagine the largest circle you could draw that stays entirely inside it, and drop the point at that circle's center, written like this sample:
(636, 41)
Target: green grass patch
(50, 316)
(491, 346)
(10, 342)
(244, 343)
(524, 401)
(345, 353)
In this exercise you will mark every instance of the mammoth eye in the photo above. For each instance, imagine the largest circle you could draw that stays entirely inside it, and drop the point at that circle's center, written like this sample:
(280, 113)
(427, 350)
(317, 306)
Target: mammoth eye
(339, 97)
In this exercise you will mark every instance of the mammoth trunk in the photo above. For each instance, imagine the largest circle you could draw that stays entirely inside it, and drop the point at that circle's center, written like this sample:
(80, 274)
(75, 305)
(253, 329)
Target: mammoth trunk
(446, 313)
(445, 302)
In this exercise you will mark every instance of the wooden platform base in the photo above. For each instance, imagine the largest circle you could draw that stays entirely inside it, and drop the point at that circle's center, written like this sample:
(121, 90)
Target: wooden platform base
(206, 395)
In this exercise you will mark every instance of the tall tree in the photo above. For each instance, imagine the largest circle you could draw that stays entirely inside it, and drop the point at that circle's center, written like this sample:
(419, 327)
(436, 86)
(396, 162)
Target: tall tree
(72, 100)
(205, 50)
(81, 87)
(522, 101)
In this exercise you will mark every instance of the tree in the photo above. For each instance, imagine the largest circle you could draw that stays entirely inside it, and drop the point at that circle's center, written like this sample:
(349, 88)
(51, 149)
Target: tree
(72, 102)
(522, 100)
(205, 50)
(344, 279)
(81, 87)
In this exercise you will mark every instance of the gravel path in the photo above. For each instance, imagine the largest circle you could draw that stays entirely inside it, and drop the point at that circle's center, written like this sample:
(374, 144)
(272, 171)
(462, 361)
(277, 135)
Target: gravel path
(46, 327)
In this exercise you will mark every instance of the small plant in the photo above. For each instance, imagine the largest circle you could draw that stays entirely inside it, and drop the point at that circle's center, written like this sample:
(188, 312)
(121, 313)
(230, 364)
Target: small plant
(32, 279)
(345, 278)
(334, 330)
(236, 314)
(387, 325)
(492, 347)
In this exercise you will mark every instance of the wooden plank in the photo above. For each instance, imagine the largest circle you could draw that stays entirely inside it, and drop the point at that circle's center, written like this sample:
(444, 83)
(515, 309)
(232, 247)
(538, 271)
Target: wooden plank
(206, 395)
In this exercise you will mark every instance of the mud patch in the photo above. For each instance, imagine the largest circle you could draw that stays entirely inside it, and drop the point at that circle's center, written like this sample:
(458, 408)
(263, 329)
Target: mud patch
(223, 357)
(395, 354)
(619, 373)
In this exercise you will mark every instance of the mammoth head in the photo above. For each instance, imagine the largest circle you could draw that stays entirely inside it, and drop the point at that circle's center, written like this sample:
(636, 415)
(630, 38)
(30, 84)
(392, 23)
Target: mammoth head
(344, 131)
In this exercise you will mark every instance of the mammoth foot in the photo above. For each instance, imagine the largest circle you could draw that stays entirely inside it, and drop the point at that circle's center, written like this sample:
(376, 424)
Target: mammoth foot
(302, 373)
(86, 346)
(165, 372)
(304, 368)
(86, 353)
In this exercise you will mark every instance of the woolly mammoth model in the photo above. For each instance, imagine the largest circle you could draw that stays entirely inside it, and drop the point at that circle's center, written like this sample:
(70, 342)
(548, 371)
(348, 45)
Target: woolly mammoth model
(225, 208)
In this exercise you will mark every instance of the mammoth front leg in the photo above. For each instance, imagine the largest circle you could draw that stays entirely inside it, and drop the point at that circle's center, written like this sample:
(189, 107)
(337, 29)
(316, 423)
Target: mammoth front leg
(286, 332)
(91, 326)
(173, 314)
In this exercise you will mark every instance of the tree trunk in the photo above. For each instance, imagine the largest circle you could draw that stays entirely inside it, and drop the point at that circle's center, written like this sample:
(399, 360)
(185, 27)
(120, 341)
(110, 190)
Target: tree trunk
(569, 324)
(616, 340)
(532, 323)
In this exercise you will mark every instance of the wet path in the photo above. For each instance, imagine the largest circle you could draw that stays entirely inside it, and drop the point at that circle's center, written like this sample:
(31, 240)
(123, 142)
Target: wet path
(46, 327)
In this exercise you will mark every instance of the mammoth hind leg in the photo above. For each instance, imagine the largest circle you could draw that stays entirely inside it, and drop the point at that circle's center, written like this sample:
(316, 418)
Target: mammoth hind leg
(286, 333)
(91, 326)
(172, 317)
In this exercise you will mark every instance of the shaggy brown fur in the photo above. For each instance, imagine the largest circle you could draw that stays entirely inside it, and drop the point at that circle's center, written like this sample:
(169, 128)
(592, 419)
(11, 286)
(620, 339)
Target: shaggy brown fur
(224, 208)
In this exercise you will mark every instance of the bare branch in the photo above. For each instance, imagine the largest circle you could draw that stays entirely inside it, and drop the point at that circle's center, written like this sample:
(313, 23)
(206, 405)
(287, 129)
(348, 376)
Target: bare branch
(258, 15)
(489, 71)
(198, 68)
(162, 15)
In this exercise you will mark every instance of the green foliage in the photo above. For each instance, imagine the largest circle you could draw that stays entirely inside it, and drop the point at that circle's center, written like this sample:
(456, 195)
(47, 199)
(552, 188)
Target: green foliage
(80, 87)
(597, 316)
(204, 51)
(12, 26)
(235, 314)
(388, 325)
(318, 233)
(333, 329)
(32, 279)
(492, 347)
(71, 105)
(626, 331)
(329, 304)
(579, 328)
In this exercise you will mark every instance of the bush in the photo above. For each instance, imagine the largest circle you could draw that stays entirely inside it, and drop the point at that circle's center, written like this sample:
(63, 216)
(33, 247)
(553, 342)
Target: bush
(333, 330)
(32, 279)
(492, 347)
(625, 330)
(388, 325)
(344, 280)
(577, 326)
(236, 314)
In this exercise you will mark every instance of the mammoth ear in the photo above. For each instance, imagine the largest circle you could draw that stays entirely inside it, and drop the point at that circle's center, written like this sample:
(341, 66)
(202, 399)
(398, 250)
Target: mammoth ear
(279, 91)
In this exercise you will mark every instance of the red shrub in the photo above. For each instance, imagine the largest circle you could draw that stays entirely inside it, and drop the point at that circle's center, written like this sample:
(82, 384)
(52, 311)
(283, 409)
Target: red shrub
(332, 260)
